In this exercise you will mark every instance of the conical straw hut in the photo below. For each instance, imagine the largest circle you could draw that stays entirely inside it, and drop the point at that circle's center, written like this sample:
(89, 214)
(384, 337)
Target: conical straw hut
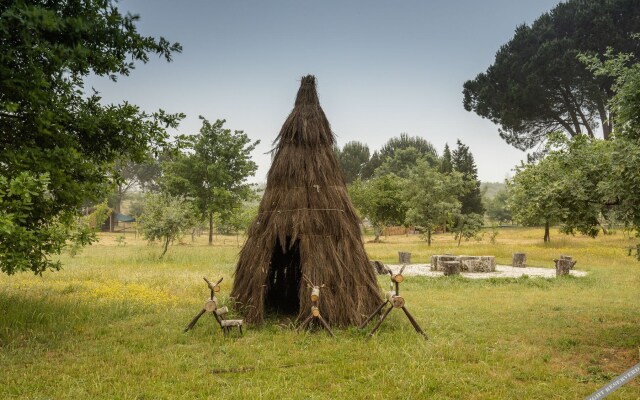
(306, 230)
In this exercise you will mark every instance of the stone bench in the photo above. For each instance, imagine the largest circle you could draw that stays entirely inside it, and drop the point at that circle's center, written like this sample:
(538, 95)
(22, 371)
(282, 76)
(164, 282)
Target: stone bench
(467, 263)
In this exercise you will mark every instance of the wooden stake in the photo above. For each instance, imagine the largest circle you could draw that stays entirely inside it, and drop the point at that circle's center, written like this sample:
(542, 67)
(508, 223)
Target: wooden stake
(370, 317)
(375, 328)
(414, 322)
(326, 326)
(194, 320)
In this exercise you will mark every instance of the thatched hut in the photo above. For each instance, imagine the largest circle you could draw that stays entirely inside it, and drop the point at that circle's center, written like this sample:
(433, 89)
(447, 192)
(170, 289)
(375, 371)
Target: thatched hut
(306, 229)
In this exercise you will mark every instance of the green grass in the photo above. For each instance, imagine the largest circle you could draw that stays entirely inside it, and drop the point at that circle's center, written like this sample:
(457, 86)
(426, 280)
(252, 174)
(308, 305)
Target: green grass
(109, 326)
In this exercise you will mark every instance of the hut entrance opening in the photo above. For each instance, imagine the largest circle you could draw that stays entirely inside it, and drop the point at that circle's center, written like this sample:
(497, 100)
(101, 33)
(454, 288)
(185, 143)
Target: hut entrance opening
(285, 276)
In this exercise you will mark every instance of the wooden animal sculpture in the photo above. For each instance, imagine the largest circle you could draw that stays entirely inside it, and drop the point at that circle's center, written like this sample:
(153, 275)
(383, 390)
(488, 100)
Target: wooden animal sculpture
(315, 311)
(211, 305)
(394, 300)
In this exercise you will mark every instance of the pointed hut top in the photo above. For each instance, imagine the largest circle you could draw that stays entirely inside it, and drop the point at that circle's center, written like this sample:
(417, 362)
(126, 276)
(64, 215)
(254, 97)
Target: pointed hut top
(307, 94)
(307, 124)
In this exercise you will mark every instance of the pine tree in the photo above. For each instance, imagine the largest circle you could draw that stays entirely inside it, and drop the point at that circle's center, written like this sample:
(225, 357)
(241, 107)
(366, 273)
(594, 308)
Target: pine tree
(463, 162)
(446, 165)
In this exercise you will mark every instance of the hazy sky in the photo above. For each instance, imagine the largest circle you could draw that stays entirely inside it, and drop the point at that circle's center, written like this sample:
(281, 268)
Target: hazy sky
(382, 67)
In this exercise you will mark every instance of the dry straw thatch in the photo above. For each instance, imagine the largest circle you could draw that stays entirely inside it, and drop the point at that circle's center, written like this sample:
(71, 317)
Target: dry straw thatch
(306, 229)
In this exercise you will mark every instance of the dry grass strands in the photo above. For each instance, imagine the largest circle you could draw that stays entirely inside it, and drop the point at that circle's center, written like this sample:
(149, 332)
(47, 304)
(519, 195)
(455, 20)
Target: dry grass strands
(306, 226)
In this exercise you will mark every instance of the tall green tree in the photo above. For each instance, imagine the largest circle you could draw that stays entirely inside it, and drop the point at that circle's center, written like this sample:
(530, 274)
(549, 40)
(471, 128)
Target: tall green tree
(624, 176)
(463, 162)
(446, 162)
(570, 186)
(212, 168)
(58, 144)
(535, 193)
(380, 201)
(353, 158)
(537, 86)
(431, 198)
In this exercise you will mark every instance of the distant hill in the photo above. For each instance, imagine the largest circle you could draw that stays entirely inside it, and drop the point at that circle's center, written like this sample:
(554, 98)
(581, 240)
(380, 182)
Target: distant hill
(489, 189)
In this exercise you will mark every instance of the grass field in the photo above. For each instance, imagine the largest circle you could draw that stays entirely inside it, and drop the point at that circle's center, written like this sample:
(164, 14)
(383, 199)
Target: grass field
(109, 326)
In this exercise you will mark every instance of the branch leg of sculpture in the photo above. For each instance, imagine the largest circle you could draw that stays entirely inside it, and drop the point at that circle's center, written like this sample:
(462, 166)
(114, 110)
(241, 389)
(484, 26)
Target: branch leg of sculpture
(370, 317)
(194, 320)
(375, 328)
(305, 322)
(326, 326)
(414, 322)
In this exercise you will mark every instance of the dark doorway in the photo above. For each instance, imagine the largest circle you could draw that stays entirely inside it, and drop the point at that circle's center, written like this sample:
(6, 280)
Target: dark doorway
(285, 274)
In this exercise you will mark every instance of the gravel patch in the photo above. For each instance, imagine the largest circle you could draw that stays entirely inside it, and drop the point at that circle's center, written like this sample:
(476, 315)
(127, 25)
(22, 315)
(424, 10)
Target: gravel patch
(502, 271)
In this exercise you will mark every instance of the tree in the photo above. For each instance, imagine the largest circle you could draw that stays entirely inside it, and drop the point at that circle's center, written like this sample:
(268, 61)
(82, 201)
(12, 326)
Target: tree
(370, 167)
(570, 186)
(58, 144)
(446, 162)
(431, 198)
(467, 226)
(534, 195)
(624, 177)
(537, 86)
(128, 175)
(586, 182)
(380, 201)
(401, 162)
(463, 162)
(497, 207)
(166, 218)
(212, 168)
(238, 220)
(405, 150)
(352, 158)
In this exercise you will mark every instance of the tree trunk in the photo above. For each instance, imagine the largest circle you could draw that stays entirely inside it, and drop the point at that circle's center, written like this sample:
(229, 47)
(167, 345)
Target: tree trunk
(377, 231)
(404, 257)
(605, 120)
(210, 228)
(571, 111)
(429, 237)
(547, 237)
(166, 247)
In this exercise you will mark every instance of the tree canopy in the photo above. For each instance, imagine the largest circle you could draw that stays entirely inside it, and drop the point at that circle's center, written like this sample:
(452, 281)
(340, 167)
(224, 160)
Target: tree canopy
(166, 218)
(585, 183)
(59, 144)
(353, 159)
(212, 168)
(401, 153)
(380, 200)
(537, 85)
(432, 198)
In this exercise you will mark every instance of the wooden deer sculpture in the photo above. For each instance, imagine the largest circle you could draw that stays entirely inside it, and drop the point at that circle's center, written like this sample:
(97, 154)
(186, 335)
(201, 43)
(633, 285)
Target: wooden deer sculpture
(211, 305)
(315, 311)
(394, 300)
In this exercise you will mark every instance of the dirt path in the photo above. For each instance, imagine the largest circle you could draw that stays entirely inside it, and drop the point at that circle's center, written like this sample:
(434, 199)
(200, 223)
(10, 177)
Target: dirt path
(502, 271)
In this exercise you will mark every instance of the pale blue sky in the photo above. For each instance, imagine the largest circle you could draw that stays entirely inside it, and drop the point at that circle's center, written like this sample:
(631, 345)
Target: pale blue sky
(383, 67)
